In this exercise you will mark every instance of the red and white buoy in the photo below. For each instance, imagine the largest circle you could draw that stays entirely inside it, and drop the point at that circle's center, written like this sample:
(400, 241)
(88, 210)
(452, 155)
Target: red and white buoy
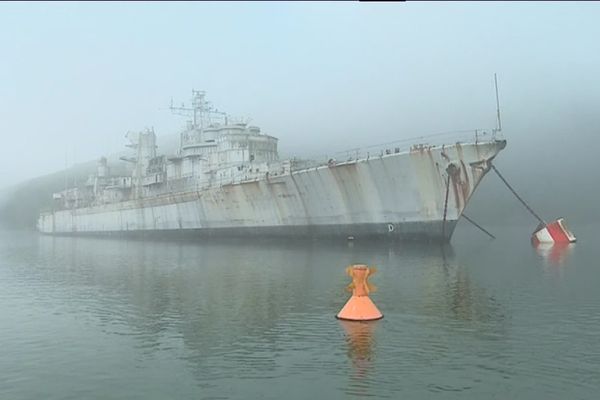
(553, 232)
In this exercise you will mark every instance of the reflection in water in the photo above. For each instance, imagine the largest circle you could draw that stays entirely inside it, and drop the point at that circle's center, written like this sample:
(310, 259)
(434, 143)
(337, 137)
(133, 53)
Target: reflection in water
(244, 310)
(219, 299)
(146, 320)
(238, 302)
(360, 341)
(450, 292)
(554, 254)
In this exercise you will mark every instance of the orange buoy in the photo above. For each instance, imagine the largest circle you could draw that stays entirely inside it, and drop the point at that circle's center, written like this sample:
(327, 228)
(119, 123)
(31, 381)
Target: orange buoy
(360, 307)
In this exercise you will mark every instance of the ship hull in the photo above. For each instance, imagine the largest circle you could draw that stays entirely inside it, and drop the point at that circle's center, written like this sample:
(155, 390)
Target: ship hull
(416, 195)
(431, 231)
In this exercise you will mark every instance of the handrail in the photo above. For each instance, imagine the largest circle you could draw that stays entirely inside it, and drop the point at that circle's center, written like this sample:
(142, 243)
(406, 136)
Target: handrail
(188, 183)
(460, 136)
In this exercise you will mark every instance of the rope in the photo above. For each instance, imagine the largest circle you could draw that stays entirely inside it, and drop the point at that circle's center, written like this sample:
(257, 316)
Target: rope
(478, 226)
(517, 196)
(467, 218)
(445, 207)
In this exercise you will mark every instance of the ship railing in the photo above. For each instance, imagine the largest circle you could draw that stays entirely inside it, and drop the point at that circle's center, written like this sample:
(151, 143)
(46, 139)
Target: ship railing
(397, 146)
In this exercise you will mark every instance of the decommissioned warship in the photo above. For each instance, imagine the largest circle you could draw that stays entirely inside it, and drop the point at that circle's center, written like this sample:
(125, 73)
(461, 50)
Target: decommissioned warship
(227, 180)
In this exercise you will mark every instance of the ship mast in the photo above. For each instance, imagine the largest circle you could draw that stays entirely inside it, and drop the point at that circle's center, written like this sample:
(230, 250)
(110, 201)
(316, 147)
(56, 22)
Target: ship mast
(201, 110)
(497, 105)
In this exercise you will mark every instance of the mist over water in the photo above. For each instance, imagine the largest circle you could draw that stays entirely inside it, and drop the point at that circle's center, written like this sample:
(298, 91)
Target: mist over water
(114, 318)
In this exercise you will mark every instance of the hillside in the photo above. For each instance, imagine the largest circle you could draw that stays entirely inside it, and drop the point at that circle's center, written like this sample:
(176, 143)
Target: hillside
(21, 203)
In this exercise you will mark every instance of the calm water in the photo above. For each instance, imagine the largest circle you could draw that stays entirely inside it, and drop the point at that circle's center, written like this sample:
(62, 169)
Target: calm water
(116, 319)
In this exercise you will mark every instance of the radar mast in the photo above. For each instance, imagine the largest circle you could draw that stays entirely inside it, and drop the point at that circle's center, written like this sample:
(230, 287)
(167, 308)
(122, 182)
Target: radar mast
(202, 112)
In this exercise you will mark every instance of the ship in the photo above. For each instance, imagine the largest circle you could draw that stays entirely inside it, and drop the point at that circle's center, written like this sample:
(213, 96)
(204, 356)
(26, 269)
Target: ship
(227, 180)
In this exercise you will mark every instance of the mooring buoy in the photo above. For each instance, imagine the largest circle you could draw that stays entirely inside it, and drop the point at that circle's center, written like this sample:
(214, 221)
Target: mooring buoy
(553, 232)
(360, 307)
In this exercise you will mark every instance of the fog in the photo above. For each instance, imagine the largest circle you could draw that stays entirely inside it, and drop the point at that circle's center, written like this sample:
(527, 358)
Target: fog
(75, 77)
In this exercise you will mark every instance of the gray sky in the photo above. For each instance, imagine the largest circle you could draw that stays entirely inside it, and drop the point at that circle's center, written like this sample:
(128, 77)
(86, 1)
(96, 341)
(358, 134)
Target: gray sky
(74, 77)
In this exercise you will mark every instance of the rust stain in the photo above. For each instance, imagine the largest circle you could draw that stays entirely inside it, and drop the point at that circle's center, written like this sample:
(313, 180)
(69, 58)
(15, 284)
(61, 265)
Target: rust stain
(454, 173)
(459, 150)
(444, 155)
(465, 185)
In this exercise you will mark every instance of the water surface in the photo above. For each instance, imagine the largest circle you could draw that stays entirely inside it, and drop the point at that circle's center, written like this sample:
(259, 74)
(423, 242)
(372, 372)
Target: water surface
(128, 319)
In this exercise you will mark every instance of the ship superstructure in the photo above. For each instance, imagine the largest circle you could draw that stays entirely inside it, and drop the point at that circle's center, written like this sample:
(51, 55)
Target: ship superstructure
(227, 180)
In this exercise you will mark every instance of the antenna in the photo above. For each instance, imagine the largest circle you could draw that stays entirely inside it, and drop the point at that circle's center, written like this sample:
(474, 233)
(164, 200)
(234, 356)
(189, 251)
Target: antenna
(66, 169)
(201, 111)
(497, 104)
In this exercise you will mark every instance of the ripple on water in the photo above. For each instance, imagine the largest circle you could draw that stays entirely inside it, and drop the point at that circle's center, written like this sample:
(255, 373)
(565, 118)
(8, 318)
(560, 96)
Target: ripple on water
(132, 319)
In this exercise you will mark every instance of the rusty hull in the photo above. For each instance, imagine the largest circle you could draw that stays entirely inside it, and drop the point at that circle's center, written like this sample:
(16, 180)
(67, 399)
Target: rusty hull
(393, 195)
